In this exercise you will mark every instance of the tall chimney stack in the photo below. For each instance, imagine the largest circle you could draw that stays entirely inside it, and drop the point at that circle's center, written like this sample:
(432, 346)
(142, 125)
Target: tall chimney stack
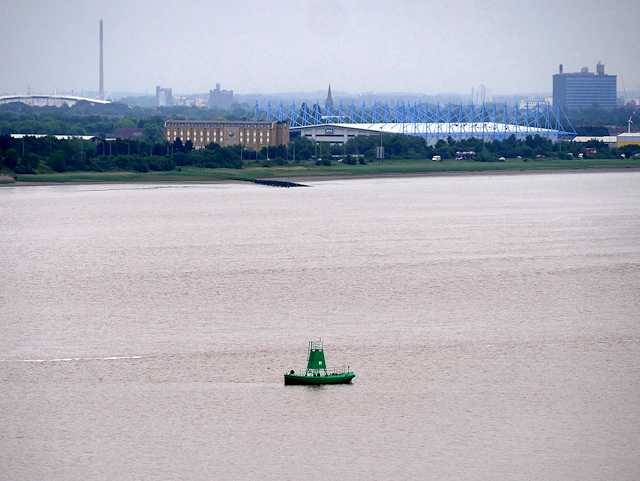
(101, 64)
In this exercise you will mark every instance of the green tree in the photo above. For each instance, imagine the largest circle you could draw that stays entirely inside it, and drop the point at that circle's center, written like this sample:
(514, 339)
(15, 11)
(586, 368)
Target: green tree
(125, 123)
(178, 146)
(180, 158)
(57, 162)
(11, 158)
(31, 160)
(152, 132)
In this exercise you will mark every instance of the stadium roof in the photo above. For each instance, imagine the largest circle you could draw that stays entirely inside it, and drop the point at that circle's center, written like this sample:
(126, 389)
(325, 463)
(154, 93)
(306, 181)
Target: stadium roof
(47, 99)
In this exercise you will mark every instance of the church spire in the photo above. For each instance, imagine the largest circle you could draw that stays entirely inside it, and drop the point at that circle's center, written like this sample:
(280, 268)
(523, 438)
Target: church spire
(329, 100)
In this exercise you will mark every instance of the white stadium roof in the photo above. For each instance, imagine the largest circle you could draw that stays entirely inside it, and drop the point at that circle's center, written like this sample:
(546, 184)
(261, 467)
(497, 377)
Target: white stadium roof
(481, 128)
(41, 100)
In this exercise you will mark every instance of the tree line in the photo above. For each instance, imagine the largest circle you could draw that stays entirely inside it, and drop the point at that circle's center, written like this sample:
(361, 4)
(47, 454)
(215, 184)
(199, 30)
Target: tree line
(99, 120)
(152, 152)
(102, 119)
(45, 154)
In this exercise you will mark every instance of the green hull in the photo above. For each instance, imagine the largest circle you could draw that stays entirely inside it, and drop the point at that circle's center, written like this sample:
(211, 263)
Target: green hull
(297, 380)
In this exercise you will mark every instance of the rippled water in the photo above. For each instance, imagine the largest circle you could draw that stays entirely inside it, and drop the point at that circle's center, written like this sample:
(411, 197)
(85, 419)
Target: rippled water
(492, 323)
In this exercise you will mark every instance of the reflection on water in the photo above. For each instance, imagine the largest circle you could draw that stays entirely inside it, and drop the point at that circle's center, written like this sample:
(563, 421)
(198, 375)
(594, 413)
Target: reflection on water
(491, 322)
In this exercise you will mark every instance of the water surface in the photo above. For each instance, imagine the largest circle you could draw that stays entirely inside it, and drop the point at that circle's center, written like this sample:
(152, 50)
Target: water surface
(492, 322)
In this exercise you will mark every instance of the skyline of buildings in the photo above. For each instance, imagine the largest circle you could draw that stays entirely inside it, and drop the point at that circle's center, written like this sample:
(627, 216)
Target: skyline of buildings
(570, 90)
(456, 71)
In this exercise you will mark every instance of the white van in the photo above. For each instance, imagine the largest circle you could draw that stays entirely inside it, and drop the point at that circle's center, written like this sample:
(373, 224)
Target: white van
(436, 157)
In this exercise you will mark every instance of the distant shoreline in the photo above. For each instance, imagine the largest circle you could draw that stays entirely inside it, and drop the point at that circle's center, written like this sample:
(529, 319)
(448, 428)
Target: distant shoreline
(470, 173)
(322, 177)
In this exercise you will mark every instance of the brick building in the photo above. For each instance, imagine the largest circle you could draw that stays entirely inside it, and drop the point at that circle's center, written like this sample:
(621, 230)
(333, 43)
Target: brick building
(251, 134)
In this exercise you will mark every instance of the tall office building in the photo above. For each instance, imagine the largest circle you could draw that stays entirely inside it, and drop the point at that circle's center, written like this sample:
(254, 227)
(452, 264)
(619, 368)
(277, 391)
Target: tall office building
(164, 97)
(584, 89)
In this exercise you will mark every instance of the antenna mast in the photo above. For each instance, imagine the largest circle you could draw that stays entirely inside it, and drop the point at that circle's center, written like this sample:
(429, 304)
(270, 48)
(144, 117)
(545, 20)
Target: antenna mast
(101, 64)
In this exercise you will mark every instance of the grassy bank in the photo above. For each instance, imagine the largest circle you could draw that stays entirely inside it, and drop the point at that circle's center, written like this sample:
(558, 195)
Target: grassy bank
(190, 174)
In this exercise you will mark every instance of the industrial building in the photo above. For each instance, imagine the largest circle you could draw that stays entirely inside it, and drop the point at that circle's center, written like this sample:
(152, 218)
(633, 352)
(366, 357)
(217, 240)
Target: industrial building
(334, 134)
(535, 104)
(611, 141)
(339, 134)
(584, 89)
(630, 138)
(253, 134)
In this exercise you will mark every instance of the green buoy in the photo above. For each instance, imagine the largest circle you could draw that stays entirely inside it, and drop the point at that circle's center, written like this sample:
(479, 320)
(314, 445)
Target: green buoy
(317, 372)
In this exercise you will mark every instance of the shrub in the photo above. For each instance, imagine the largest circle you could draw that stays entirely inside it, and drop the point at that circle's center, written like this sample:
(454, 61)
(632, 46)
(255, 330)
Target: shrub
(483, 157)
(10, 158)
(23, 169)
(105, 164)
(180, 159)
(168, 164)
(56, 162)
(140, 166)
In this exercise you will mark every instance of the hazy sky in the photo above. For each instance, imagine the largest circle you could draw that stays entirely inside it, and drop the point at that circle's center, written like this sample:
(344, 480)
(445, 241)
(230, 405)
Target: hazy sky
(358, 46)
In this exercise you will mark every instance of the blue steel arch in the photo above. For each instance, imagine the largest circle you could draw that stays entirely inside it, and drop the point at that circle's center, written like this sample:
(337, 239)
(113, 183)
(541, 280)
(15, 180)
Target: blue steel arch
(489, 121)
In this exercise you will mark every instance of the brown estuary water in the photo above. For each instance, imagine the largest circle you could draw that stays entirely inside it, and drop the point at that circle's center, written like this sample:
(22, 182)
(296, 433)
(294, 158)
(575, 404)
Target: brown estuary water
(492, 321)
